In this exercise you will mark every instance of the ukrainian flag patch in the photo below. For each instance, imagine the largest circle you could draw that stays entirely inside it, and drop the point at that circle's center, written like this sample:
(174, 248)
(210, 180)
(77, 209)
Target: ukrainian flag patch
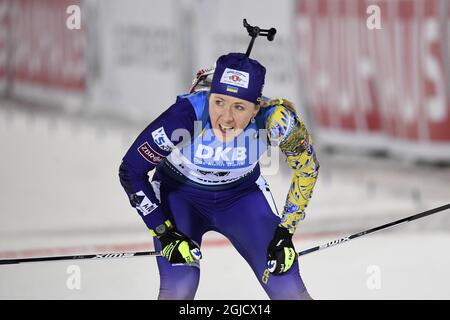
(232, 89)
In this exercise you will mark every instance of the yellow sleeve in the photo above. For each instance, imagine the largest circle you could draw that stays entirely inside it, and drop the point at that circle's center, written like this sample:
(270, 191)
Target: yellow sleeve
(287, 131)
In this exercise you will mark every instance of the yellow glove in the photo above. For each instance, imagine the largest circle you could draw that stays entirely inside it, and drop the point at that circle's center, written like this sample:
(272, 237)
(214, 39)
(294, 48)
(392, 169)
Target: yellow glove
(176, 247)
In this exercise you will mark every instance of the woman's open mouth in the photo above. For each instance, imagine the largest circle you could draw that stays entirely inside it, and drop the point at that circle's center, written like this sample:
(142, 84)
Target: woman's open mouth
(226, 130)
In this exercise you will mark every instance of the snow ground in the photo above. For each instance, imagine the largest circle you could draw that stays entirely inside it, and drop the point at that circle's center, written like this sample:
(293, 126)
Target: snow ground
(409, 266)
(59, 190)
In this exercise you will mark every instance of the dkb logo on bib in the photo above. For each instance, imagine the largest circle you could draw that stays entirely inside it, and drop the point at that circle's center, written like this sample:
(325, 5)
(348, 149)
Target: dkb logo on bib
(221, 154)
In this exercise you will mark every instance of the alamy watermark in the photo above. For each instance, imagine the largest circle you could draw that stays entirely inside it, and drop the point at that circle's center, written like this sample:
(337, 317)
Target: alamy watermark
(73, 281)
(73, 21)
(373, 282)
(374, 19)
(250, 146)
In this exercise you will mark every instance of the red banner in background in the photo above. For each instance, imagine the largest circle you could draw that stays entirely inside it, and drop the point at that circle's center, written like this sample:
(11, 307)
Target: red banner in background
(3, 39)
(343, 106)
(435, 77)
(391, 82)
(366, 86)
(46, 52)
(384, 54)
(407, 70)
(336, 64)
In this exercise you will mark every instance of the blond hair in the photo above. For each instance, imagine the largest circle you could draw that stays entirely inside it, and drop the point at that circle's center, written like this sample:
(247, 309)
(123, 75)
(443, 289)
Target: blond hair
(265, 103)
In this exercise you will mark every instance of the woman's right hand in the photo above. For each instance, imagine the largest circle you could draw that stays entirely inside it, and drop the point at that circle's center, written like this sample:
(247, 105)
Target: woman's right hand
(177, 248)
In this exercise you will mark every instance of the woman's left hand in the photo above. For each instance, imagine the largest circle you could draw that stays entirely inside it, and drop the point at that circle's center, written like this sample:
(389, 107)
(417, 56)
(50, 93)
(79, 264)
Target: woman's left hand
(281, 253)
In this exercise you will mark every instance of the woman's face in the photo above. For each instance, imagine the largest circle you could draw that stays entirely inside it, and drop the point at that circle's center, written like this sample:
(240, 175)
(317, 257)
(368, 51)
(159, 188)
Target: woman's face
(230, 115)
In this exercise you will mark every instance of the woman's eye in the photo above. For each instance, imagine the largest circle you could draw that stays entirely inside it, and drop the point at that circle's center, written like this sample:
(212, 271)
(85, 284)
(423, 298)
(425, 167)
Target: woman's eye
(219, 103)
(239, 107)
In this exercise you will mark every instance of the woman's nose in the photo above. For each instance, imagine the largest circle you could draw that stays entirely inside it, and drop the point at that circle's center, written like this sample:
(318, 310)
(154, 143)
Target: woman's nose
(228, 115)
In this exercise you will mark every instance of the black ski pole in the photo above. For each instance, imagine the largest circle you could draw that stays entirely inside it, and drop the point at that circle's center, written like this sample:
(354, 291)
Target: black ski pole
(83, 257)
(384, 226)
(157, 253)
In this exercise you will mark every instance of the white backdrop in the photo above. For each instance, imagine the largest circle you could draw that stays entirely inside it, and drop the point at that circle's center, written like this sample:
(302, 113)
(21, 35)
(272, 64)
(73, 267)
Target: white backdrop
(218, 30)
(139, 58)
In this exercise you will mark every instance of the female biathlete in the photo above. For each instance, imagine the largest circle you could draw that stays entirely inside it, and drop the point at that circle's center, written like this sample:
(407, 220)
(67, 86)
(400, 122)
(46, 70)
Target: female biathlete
(205, 150)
